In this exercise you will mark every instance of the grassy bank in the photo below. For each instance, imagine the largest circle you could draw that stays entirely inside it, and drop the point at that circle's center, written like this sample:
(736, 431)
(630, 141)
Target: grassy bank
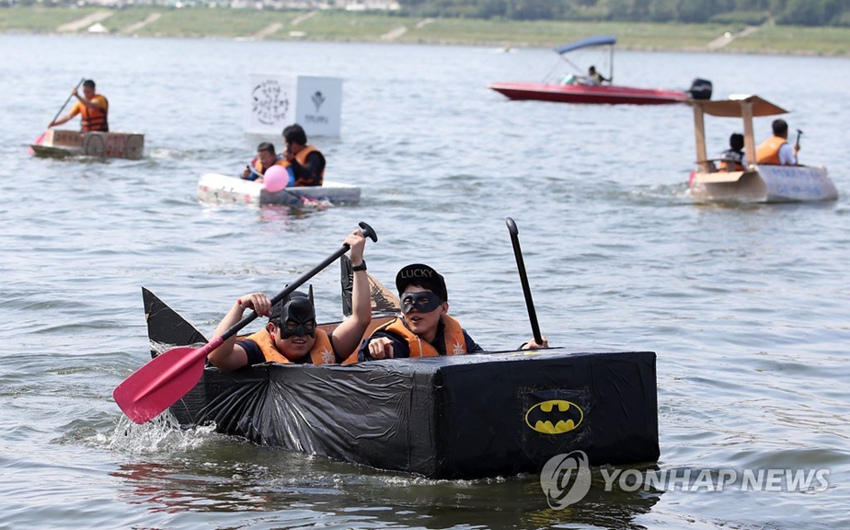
(360, 27)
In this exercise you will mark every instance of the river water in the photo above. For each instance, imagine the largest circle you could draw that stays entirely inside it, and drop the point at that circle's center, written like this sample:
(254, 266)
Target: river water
(746, 307)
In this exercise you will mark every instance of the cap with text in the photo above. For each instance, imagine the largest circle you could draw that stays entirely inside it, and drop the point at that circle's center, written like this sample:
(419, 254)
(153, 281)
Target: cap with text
(423, 276)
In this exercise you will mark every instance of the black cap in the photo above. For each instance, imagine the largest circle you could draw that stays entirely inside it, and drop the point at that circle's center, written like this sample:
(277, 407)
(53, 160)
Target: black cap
(423, 276)
(296, 307)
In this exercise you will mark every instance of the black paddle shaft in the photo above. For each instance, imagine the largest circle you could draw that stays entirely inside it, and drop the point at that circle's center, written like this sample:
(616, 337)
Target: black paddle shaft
(67, 100)
(529, 303)
(365, 229)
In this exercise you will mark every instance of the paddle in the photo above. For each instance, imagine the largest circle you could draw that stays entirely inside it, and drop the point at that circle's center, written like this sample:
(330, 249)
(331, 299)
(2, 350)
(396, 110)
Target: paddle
(532, 315)
(799, 134)
(41, 138)
(161, 382)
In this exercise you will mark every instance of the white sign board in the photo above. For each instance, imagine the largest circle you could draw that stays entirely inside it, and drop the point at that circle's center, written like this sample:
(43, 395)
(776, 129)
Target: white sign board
(274, 102)
(271, 104)
(318, 107)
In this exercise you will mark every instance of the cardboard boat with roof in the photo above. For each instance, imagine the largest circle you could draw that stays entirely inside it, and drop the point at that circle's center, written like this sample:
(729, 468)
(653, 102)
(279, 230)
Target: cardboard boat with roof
(59, 143)
(461, 416)
(217, 188)
(758, 183)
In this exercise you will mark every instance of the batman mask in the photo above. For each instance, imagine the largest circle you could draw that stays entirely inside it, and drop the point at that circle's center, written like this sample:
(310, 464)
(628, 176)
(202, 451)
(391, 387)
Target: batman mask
(295, 317)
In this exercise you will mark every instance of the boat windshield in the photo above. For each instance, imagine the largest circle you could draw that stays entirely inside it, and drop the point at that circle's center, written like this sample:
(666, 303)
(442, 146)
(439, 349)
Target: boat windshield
(569, 79)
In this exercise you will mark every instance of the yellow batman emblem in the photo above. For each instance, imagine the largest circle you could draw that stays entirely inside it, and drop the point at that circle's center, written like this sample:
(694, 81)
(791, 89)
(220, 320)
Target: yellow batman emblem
(555, 416)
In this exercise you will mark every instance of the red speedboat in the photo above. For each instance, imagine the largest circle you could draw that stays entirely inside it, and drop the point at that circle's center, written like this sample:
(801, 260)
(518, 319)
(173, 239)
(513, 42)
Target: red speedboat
(589, 89)
(610, 94)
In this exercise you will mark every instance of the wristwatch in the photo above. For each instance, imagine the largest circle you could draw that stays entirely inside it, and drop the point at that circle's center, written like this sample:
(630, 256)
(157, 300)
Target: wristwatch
(361, 267)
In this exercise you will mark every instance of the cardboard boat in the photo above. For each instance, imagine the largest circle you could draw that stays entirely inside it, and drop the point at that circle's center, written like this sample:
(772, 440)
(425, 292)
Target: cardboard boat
(216, 188)
(758, 183)
(453, 417)
(57, 143)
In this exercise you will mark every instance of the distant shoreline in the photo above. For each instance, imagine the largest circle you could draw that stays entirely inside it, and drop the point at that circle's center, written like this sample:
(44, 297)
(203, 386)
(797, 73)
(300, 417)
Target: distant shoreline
(343, 26)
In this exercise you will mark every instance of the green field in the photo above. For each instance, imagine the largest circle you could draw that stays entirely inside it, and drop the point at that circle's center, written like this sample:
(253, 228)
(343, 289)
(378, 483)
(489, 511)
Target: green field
(359, 27)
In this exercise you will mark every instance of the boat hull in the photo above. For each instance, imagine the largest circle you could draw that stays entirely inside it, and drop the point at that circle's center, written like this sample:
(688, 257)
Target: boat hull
(216, 188)
(57, 143)
(765, 184)
(456, 417)
(604, 94)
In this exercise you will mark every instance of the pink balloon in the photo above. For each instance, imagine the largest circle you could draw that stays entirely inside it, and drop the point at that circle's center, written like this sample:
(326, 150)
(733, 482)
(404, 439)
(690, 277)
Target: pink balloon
(275, 178)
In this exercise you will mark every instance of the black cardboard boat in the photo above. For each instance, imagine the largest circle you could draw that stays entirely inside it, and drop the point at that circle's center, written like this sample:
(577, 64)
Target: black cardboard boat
(455, 417)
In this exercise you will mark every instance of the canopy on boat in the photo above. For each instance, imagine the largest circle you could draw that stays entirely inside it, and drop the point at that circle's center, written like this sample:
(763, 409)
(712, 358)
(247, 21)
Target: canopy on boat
(596, 40)
(734, 106)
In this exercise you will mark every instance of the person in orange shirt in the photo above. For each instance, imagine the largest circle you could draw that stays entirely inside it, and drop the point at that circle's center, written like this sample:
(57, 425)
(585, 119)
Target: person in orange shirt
(92, 107)
(776, 150)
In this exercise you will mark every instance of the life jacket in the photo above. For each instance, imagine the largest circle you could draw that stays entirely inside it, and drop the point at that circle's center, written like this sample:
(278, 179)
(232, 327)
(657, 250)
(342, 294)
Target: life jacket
(258, 165)
(301, 157)
(322, 351)
(768, 151)
(730, 166)
(455, 342)
(95, 119)
(731, 161)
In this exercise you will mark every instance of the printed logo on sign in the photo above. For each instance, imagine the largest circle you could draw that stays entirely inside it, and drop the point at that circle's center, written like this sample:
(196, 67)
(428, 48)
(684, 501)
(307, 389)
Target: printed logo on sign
(554, 416)
(269, 102)
(565, 479)
(318, 99)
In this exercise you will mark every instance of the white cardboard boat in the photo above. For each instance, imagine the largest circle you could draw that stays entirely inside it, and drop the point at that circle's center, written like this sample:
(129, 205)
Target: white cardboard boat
(758, 182)
(59, 143)
(213, 187)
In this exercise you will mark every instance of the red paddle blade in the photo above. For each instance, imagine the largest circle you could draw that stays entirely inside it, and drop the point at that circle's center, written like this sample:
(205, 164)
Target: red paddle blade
(36, 142)
(160, 383)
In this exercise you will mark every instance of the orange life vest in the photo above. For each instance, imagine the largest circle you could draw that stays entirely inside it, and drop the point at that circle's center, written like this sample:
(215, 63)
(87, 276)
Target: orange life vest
(768, 151)
(301, 157)
(321, 353)
(452, 335)
(258, 165)
(729, 165)
(94, 119)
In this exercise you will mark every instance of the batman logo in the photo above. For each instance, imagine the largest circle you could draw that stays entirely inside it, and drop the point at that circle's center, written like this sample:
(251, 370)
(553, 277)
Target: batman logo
(555, 416)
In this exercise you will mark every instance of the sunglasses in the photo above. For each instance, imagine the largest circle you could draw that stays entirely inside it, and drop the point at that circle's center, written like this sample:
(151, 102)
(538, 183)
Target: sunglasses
(423, 302)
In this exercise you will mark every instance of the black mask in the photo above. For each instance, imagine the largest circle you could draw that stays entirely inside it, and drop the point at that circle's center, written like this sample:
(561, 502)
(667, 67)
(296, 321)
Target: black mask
(297, 318)
(424, 302)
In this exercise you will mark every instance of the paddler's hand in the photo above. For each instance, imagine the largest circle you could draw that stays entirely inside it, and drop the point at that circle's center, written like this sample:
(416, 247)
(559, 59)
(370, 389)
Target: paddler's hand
(381, 348)
(258, 302)
(532, 344)
(75, 93)
(357, 242)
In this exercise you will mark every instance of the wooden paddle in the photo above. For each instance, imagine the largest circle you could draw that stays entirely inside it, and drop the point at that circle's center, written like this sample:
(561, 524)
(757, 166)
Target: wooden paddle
(161, 382)
(41, 138)
(532, 315)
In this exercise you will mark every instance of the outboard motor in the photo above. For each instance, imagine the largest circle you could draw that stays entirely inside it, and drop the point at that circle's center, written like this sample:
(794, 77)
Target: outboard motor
(700, 89)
